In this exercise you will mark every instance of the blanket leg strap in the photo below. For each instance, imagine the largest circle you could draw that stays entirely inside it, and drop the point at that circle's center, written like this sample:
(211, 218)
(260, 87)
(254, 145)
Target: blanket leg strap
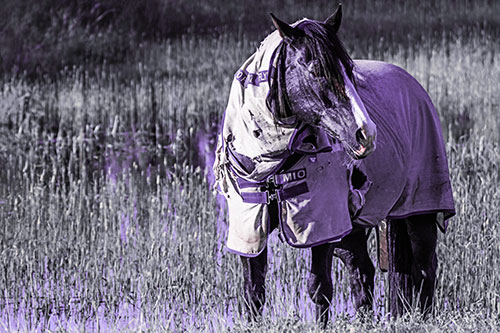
(383, 254)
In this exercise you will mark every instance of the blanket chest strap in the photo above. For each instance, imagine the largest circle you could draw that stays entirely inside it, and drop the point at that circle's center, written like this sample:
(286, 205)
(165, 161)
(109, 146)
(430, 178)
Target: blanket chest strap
(280, 194)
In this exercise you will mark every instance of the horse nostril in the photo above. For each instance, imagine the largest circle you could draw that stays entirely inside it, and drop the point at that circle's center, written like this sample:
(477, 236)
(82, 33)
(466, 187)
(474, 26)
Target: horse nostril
(361, 136)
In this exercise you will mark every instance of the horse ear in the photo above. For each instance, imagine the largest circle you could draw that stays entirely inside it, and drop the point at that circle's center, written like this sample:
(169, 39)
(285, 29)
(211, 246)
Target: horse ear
(287, 32)
(335, 19)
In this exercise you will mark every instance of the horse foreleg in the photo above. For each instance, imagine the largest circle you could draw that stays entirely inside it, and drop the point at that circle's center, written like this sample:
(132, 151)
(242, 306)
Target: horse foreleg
(254, 276)
(412, 262)
(320, 281)
(353, 252)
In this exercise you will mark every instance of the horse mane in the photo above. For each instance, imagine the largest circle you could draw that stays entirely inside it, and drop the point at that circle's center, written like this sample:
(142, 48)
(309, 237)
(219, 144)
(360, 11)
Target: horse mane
(318, 38)
(321, 37)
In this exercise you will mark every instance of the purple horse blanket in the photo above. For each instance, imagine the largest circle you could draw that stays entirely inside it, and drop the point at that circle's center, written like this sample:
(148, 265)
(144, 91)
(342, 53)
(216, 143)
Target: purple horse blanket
(409, 169)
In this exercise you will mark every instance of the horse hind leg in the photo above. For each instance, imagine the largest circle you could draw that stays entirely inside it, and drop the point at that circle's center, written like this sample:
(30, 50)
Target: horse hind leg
(353, 252)
(400, 258)
(320, 286)
(422, 232)
(254, 277)
(412, 263)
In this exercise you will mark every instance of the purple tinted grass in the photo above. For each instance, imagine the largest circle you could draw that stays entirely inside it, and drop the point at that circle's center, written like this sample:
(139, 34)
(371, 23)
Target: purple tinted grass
(206, 156)
(125, 221)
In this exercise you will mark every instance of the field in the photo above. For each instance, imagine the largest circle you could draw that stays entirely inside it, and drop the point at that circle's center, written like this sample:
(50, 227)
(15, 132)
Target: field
(108, 220)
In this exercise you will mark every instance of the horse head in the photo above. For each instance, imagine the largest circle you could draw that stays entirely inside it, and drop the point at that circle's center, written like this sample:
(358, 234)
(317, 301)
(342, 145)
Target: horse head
(315, 76)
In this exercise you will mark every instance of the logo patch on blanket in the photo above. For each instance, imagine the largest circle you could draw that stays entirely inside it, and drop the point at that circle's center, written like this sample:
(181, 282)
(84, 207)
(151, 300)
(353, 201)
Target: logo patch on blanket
(291, 176)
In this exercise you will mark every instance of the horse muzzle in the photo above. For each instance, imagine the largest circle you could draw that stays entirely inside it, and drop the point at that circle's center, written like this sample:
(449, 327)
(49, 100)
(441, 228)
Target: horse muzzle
(366, 141)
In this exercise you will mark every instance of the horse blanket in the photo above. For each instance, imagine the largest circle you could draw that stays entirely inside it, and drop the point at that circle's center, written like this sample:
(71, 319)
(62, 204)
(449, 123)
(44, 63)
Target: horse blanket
(408, 169)
(313, 193)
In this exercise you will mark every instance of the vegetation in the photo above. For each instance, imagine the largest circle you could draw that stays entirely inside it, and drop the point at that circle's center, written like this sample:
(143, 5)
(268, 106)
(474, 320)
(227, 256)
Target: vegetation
(107, 218)
(40, 38)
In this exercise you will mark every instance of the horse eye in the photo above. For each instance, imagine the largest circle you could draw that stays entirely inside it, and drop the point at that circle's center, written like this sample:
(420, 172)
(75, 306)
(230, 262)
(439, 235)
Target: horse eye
(303, 62)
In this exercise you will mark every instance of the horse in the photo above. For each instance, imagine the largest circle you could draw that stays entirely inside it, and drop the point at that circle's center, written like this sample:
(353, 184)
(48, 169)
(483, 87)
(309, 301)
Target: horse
(292, 105)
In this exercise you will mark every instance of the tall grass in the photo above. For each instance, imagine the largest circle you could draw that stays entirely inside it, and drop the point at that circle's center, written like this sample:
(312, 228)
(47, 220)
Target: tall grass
(108, 221)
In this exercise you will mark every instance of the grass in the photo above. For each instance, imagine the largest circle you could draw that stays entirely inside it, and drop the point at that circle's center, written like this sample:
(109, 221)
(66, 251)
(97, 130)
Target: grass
(108, 221)
(39, 39)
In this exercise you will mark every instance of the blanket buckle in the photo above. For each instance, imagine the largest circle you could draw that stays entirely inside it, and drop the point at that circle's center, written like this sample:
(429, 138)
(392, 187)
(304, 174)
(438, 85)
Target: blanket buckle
(271, 196)
(271, 189)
